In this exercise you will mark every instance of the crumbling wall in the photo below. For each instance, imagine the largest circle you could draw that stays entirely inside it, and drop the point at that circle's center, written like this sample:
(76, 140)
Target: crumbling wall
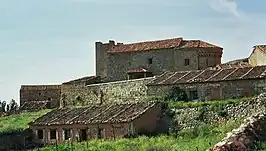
(120, 91)
(35, 93)
(193, 117)
(244, 137)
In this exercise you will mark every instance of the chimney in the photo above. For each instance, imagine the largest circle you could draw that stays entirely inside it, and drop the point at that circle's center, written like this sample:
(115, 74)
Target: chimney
(111, 42)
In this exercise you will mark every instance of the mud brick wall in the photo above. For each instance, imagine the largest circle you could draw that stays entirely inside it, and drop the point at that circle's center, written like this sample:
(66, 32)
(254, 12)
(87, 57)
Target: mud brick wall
(129, 90)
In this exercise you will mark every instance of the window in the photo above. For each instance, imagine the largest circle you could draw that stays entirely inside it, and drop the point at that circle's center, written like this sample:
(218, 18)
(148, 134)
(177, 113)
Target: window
(67, 134)
(40, 134)
(207, 62)
(40, 94)
(52, 134)
(186, 62)
(193, 95)
(150, 60)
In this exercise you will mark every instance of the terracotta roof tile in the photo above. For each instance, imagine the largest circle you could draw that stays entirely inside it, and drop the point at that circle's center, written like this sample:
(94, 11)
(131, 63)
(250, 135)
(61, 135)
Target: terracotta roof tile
(161, 44)
(85, 80)
(107, 113)
(35, 105)
(211, 75)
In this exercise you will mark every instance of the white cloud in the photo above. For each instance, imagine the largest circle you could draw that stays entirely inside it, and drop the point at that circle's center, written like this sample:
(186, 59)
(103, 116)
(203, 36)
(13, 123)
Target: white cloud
(226, 6)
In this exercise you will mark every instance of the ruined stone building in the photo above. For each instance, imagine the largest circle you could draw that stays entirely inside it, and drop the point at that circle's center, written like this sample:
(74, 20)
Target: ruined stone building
(118, 61)
(96, 122)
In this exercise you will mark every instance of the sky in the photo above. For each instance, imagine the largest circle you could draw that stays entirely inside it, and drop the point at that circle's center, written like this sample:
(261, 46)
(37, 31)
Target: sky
(49, 42)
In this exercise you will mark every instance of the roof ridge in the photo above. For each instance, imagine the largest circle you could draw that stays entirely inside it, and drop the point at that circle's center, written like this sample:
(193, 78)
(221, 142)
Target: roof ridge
(150, 41)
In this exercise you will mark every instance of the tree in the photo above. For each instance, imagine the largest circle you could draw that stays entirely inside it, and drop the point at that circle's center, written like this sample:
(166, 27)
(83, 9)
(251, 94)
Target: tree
(3, 106)
(13, 105)
(177, 94)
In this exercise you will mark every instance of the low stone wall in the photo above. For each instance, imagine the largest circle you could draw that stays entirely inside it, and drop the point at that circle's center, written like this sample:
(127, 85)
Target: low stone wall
(245, 136)
(193, 117)
(120, 91)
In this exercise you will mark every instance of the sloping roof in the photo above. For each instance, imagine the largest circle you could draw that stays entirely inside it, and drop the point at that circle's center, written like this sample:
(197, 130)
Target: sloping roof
(85, 80)
(262, 48)
(209, 75)
(34, 105)
(108, 113)
(161, 44)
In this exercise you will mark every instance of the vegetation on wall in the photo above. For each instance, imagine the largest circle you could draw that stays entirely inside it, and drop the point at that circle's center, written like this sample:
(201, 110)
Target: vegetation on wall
(176, 94)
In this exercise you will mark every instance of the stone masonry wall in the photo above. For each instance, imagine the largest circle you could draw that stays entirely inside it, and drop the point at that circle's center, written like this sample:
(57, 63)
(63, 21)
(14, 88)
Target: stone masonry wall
(217, 90)
(191, 117)
(162, 60)
(244, 137)
(33, 93)
(129, 90)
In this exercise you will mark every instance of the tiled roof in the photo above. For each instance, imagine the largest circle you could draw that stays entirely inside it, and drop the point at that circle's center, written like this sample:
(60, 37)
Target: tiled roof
(262, 48)
(85, 80)
(161, 44)
(34, 105)
(210, 75)
(108, 113)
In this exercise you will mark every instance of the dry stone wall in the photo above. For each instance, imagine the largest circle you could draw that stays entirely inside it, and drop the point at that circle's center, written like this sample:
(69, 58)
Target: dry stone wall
(244, 137)
(128, 90)
(193, 117)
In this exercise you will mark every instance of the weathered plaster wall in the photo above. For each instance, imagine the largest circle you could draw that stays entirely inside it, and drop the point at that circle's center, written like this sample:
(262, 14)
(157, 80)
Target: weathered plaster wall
(217, 90)
(257, 58)
(128, 90)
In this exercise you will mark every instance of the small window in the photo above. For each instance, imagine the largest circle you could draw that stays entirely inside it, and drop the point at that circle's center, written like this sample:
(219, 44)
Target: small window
(40, 94)
(207, 62)
(150, 60)
(67, 134)
(193, 95)
(40, 134)
(186, 62)
(49, 99)
(52, 134)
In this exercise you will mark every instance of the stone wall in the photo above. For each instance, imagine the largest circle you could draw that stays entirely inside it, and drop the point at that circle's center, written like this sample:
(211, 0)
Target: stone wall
(245, 137)
(129, 90)
(257, 58)
(49, 93)
(162, 60)
(193, 117)
(217, 90)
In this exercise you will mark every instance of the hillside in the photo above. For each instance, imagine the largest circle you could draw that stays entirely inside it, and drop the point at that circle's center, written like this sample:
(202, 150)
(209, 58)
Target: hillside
(19, 121)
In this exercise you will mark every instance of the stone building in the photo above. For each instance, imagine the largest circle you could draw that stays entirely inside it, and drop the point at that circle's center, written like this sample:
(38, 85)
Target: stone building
(212, 84)
(36, 96)
(258, 56)
(138, 60)
(96, 122)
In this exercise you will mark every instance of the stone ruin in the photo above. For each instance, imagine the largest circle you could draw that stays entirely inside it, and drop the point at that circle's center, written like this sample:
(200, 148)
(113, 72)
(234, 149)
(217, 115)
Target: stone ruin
(243, 138)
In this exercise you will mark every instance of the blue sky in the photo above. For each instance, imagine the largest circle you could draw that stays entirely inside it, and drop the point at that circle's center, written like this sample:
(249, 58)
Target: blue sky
(48, 41)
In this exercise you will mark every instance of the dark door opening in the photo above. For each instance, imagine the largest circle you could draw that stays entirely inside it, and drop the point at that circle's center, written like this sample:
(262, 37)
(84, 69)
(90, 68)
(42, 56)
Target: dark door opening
(83, 135)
